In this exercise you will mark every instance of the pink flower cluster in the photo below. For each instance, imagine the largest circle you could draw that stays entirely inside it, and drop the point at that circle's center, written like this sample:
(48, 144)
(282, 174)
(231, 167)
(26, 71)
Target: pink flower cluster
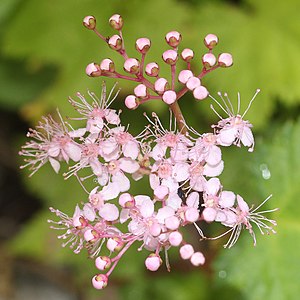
(181, 164)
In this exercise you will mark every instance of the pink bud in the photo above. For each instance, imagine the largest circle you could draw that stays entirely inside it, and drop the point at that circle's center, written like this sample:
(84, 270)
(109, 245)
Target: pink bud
(102, 262)
(225, 60)
(186, 251)
(100, 281)
(210, 41)
(126, 200)
(91, 235)
(132, 65)
(169, 97)
(175, 238)
(191, 214)
(114, 244)
(208, 60)
(80, 222)
(160, 85)
(193, 82)
(93, 70)
(200, 92)
(153, 262)
(172, 222)
(116, 22)
(170, 57)
(152, 69)
(131, 102)
(209, 214)
(184, 76)
(187, 54)
(155, 229)
(115, 42)
(142, 45)
(173, 38)
(141, 91)
(89, 22)
(197, 259)
(161, 191)
(107, 65)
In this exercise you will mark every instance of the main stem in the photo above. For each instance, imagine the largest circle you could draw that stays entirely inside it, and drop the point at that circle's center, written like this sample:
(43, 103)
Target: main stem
(179, 117)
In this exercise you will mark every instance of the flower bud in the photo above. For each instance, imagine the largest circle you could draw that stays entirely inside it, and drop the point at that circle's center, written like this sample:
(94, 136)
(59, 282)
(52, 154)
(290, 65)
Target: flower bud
(126, 200)
(100, 281)
(200, 92)
(169, 97)
(116, 22)
(175, 238)
(172, 222)
(141, 91)
(142, 45)
(131, 102)
(160, 85)
(186, 251)
(161, 191)
(89, 22)
(114, 244)
(209, 214)
(107, 65)
(173, 38)
(225, 60)
(115, 42)
(80, 222)
(187, 54)
(155, 229)
(184, 76)
(102, 262)
(193, 82)
(170, 57)
(197, 259)
(191, 215)
(131, 65)
(210, 41)
(208, 60)
(153, 262)
(93, 70)
(152, 69)
(91, 235)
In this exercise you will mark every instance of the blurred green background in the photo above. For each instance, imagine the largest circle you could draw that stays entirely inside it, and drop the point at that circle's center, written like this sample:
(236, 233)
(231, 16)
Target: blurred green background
(43, 54)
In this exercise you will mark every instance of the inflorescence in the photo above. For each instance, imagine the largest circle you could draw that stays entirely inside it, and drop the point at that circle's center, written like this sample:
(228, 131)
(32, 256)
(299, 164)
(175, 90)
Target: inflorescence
(182, 164)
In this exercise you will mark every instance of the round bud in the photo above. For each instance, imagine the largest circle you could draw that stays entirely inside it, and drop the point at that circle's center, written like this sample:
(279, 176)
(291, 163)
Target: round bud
(155, 229)
(91, 235)
(184, 76)
(161, 191)
(175, 238)
(131, 65)
(131, 102)
(208, 60)
(225, 60)
(170, 57)
(141, 91)
(210, 41)
(197, 259)
(193, 82)
(93, 70)
(116, 22)
(100, 281)
(173, 38)
(200, 92)
(187, 54)
(126, 200)
(209, 214)
(114, 244)
(142, 45)
(153, 262)
(172, 222)
(107, 65)
(152, 69)
(186, 251)
(115, 42)
(169, 97)
(160, 85)
(102, 262)
(89, 22)
(191, 214)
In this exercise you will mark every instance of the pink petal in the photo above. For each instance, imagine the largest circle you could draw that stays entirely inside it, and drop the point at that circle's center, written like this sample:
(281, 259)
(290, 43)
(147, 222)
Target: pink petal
(73, 151)
(122, 181)
(227, 136)
(242, 204)
(212, 171)
(193, 200)
(147, 208)
(55, 164)
(212, 186)
(109, 212)
(128, 165)
(215, 155)
(164, 213)
(227, 199)
(247, 137)
(209, 214)
(180, 171)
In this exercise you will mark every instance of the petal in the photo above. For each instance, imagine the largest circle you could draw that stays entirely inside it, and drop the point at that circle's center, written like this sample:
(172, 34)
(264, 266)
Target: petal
(89, 212)
(214, 156)
(158, 151)
(163, 213)
(109, 212)
(227, 199)
(55, 164)
(242, 204)
(110, 191)
(193, 200)
(131, 149)
(212, 186)
(147, 208)
(122, 181)
(180, 171)
(247, 137)
(174, 201)
(209, 214)
(128, 165)
(212, 171)
(73, 151)
(227, 136)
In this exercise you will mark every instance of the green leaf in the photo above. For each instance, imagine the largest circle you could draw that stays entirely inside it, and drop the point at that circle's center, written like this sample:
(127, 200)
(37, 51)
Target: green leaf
(265, 272)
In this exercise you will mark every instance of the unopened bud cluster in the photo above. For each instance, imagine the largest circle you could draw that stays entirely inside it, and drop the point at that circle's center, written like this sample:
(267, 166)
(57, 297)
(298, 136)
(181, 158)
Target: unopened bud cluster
(182, 165)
